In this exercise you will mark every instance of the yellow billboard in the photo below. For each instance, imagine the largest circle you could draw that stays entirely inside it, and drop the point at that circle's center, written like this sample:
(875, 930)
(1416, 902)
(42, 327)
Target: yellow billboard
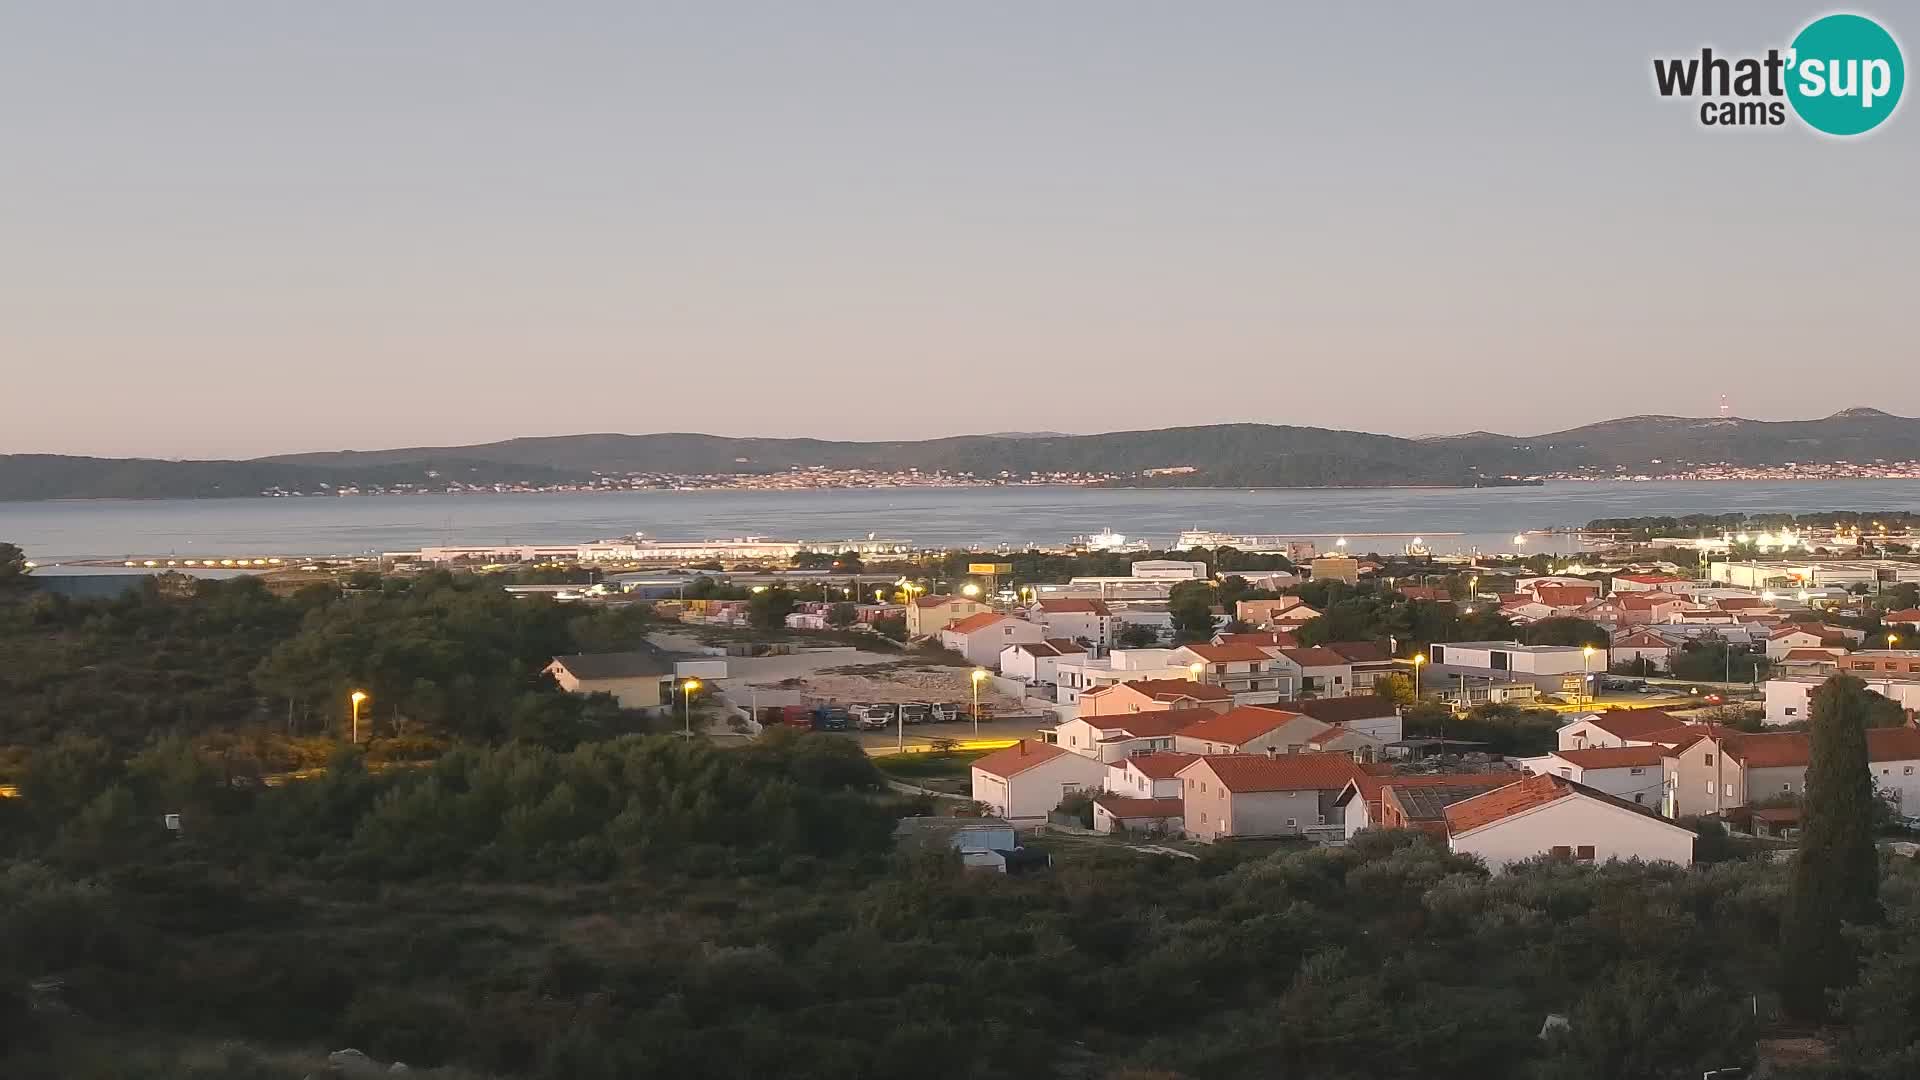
(990, 568)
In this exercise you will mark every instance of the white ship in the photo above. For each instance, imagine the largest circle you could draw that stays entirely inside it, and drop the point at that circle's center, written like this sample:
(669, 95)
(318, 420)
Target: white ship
(1108, 540)
(1293, 547)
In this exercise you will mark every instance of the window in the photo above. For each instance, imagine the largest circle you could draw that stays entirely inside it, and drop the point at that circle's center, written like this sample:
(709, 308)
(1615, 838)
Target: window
(1636, 771)
(1203, 816)
(1584, 853)
(1729, 791)
(1639, 797)
(1562, 851)
(1709, 760)
(1908, 771)
(1322, 819)
(1073, 740)
(1709, 787)
(1292, 823)
(1791, 710)
(1566, 772)
(1788, 786)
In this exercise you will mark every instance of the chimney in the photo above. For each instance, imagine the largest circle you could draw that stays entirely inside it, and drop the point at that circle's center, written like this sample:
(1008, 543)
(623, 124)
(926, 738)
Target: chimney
(1023, 748)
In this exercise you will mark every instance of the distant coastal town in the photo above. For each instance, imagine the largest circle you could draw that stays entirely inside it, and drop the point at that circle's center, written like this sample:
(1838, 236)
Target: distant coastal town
(821, 478)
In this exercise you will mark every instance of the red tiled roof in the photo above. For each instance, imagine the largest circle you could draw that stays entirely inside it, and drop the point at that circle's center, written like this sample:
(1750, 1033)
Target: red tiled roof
(1075, 607)
(1345, 710)
(1642, 639)
(1794, 628)
(1285, 772)
(1504, 802)
(1790, 749)
(1172, 690)
(979, 621)
(1651, 579)
(1646, 601)
(1315, 657)
(931, 601)
(1066, 647)
(1425, 592)
(1237, 726)
(1636, 723)
(1134, 809)
(1152, 724)
(1223, 654)
(1825, 655)
(1904, 615)
(1735, 603)
(1269, 638)
(1613, 757)
(1359, 652)
(1164, 765)
(1018, 758)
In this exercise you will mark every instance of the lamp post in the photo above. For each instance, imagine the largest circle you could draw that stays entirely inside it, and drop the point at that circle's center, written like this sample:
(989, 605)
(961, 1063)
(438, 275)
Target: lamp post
(1194, 669)
(979, 676)
(1418, 660)
(1586, 661)
(357, 698)
(686, 706)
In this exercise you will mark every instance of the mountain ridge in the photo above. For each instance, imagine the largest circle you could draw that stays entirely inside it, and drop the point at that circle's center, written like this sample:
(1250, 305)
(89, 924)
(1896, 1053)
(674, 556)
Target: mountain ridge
(1219, 455)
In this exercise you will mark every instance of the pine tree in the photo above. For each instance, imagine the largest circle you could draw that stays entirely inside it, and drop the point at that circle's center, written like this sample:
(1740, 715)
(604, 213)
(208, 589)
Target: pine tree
(1836, 872)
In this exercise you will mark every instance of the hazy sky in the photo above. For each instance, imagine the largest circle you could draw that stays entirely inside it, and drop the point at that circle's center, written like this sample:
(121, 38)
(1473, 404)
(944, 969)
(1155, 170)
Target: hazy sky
(239, 228)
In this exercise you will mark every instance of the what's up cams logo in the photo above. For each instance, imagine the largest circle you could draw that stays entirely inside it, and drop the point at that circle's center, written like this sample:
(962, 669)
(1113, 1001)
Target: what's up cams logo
(1842, 75)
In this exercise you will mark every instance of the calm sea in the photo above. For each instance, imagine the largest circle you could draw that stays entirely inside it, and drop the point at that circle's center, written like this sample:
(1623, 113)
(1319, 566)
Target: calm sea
(1449, 519)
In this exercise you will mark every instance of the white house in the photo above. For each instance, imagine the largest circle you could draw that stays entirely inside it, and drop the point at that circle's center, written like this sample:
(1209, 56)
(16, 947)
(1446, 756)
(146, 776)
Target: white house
(1089, 621)
(1316, 672)
(1633, 773)
(1553, 668)
(1250, 672)
(1252, 730)
(1037, 661)
(1148, 776)
(1119, 736)
(1075, 675)
(1114, 812)
(980, 637)
(1025, 781)
(1552, 815)
(1376, 717)
(1616, 727)
(1789, 697)
(1636, 646)
(1256, 795)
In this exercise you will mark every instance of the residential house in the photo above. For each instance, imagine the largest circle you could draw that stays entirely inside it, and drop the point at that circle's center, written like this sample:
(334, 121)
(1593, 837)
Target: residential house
(1423, 807)
(1149, 695)
(1261, 613)
(1316, 672)
(980, 638)
(928, 615)
(1616, 727)
(1249, 672)
(1368, 659)
(639, 679)
(1552, 815)
(1243, 795)
(1376, 717)
(1360, 801)
(1027, 780)
(1872, 664)
(1821, 662)
(1123, 735)
(1436, 594)
(1564, 595)
(1716, 769)
(1254, 730)
(1640, 650)
(1266, 639)
(1789, 696)
(1908, 618)
(1074, 676)
(1335, 568)
(1148, 776)
(1090, 622)
(1784, 639)
(1037, 661)
(1634, 773)
(1623, 583)
(1635, 609)
(1114, 813)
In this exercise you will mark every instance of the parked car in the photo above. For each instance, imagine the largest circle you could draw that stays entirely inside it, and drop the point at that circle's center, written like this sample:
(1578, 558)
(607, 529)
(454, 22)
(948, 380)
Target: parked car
(916, 712)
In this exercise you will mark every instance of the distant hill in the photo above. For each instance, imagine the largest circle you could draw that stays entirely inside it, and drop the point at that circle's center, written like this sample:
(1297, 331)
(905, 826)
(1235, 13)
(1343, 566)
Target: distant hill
(1225, 455)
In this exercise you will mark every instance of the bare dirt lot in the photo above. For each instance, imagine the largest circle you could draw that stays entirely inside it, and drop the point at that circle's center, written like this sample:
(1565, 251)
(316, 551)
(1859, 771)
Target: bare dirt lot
(845, 678)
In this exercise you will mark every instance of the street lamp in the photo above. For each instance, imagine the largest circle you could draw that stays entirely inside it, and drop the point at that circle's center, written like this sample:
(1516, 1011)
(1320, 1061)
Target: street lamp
(358, 697)
(686, 705)
(969, 590)
(1195, 669)
(979, 676)
(1418, 659)
(1586, 656)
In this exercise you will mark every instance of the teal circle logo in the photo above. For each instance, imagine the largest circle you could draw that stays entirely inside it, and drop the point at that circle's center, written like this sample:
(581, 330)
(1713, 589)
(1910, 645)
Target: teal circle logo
(1845, 74)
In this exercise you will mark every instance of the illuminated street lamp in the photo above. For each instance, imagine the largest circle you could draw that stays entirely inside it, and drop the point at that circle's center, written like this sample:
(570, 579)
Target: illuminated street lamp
(357, 698)
(970, 590)
(979, 676)
(1586, 680)
(1195, 669)
(686, 705)
(1418, 659)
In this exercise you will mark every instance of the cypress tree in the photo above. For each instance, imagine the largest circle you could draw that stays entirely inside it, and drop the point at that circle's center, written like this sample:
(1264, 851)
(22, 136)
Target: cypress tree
(1836, 872)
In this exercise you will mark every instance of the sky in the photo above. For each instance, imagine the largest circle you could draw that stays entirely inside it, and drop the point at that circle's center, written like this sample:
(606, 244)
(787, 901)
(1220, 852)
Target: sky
(234, 228)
